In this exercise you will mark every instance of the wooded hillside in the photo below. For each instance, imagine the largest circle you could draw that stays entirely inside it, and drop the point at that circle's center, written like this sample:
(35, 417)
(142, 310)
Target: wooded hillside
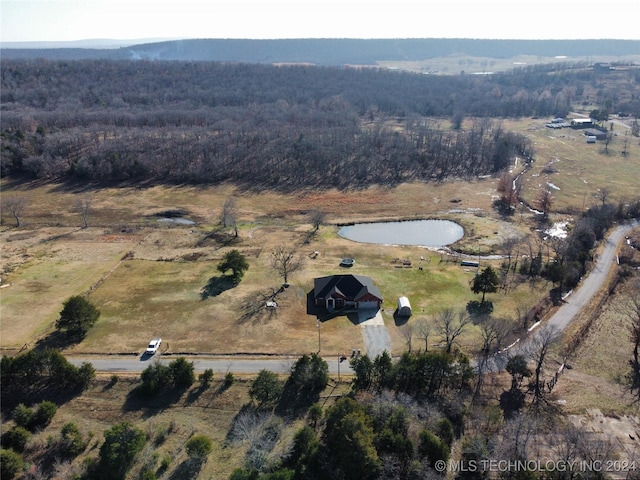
(278, 126)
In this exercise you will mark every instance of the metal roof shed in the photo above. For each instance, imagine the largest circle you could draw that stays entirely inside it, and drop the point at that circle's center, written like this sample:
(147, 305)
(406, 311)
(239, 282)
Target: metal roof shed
(404, 307)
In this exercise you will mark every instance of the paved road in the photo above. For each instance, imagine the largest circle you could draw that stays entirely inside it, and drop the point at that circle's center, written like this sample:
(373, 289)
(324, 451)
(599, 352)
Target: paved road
(374, 331)
(576, 301)
(594, 281)
(130, 363)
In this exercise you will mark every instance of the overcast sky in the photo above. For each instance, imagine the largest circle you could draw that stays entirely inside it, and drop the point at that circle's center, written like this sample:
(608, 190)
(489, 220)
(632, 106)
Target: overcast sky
(49, 20)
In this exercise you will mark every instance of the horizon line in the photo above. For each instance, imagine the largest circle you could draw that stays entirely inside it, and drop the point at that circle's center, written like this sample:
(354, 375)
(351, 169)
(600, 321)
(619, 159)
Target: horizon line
(173, 39)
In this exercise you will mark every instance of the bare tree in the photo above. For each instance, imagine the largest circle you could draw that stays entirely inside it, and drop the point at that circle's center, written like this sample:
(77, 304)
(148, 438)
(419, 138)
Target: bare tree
(286, 261)
(450, 325)
(229, 215)
(509, 188)
(510, 249)
(538, 349)
(406, 331)
(625, 146)
(603, 195)
(544, 200)
(16, 204)
(316, 218)
(423, 330)
(494, 330)
(607, 140)
(518, 435)
(84, 206)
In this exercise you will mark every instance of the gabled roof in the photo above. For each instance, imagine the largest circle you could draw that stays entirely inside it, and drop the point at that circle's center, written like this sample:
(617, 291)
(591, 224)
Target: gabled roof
(351, 286)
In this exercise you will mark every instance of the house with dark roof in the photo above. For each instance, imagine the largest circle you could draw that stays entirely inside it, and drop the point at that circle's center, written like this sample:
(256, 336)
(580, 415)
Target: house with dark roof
(346, 292)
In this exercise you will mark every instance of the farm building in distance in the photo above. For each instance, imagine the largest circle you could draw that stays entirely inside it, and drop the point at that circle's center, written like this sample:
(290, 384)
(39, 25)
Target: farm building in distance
(594, 132)
(582, 123)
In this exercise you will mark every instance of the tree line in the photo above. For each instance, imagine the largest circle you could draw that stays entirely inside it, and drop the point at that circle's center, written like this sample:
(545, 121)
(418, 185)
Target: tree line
(117, 121)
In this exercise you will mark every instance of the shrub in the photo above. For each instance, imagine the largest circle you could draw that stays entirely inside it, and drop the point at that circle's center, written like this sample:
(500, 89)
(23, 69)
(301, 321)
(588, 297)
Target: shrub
(433, 447)
(147, 474)
(23, 415)
(11, 464)
(72, 441)
(16, 438)
(199, 447)
(182, 374)
(122, 443)
(44, 413)
(206, 377)
(165, 462)
(229, 379)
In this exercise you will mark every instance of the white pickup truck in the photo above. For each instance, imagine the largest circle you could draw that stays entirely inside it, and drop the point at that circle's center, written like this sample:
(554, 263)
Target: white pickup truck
(153, 346)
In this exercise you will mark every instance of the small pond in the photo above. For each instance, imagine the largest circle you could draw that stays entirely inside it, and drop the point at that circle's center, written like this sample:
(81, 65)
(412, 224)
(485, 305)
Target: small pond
(425, 233)
(179, 221)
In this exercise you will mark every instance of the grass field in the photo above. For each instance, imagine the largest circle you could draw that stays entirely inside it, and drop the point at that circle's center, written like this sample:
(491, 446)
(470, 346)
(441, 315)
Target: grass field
(455, 64)
(157, 289)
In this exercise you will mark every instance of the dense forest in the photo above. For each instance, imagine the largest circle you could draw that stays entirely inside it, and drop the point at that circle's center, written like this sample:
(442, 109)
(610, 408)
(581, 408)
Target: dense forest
(278, 126)
(325, 51)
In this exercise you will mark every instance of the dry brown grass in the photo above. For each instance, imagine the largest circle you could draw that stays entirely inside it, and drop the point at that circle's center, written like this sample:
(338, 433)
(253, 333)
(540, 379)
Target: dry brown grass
(168, 424)
(156, 290)
(575, 169)
(600, 364)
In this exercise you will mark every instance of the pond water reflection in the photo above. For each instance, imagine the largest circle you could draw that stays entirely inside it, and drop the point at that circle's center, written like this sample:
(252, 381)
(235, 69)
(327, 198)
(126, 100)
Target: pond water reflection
(426, 233)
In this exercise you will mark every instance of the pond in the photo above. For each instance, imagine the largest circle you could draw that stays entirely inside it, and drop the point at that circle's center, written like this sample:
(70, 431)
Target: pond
(425, 233)
(179, 221)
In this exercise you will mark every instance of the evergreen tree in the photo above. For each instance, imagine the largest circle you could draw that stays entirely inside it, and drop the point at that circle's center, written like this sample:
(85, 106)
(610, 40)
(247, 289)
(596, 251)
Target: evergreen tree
(77, 316)
(485, 282)
(122, 443)
(236, 262)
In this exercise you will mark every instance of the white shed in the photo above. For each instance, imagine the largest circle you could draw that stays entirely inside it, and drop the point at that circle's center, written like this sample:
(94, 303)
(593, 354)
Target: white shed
(404, 307)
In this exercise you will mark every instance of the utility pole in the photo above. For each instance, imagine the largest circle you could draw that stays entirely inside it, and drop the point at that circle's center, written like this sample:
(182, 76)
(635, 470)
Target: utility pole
(339, 361)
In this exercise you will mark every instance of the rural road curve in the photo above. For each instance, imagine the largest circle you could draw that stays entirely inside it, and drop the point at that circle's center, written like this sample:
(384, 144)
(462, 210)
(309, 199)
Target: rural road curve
(374, 332)
(577, 300)
(594, 281)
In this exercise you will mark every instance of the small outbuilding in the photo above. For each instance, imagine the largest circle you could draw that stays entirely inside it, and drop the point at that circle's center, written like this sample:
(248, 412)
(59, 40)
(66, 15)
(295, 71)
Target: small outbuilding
(404, 307)
(597, 133)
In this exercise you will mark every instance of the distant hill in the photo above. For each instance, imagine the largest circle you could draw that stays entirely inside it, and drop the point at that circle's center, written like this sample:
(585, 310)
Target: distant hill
(332, 51)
